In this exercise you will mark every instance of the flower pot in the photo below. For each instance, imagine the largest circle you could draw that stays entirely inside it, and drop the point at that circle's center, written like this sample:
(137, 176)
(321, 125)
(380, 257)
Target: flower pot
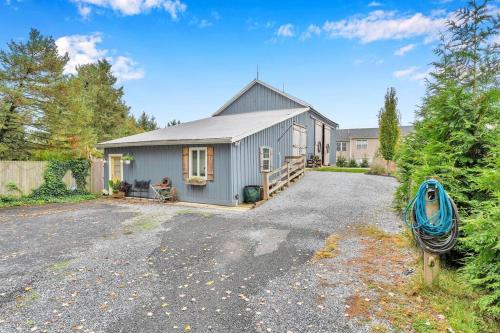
(127, 162)
(118, 195)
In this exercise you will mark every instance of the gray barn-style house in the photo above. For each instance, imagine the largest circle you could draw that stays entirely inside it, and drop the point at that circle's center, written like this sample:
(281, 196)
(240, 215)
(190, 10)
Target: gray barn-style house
(253, 132)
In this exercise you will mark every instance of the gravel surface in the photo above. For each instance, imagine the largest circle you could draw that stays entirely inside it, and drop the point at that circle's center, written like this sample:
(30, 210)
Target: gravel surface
(109, 266)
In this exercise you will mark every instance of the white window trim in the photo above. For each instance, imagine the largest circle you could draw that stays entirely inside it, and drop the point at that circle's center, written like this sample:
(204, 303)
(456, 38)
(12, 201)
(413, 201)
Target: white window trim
(363, 146)
(343, 144)
(109, 166)
(191, 149)
(262, 159)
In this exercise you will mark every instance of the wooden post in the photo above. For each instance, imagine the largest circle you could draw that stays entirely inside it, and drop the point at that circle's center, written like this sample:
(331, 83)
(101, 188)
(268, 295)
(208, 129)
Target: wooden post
(265, 184)
(431, 260)
(288, 174)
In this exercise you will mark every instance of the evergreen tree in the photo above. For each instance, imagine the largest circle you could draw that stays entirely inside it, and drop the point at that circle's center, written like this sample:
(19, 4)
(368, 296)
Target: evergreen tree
(111, 117)
(147, 123)
(173, 123)
(456, 140)
(31, 78)
(388, 123)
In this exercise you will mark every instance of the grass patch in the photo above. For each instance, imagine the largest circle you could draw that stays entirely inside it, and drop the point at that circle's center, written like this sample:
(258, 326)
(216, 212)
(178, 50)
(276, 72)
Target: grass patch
(143, 223)
(338, 169)
(192, 212)
(25, 299)
(60, 266)
(405, 301)
(12, 201)
(327, 251)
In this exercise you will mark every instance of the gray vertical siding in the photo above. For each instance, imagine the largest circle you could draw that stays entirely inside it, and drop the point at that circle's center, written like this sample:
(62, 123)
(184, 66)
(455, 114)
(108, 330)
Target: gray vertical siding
(245, 156)
(260, 98)
(155, 162)
(333, 146)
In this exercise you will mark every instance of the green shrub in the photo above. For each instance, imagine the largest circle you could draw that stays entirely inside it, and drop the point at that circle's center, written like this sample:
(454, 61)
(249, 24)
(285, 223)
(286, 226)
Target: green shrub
(457, 139)
(377, 169)
(341, 162)
(353, 164)
(364, 163)
(12, 187)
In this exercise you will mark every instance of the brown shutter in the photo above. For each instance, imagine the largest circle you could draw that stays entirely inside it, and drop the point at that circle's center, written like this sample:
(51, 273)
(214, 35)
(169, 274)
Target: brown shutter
(185, 162)
(210, 163)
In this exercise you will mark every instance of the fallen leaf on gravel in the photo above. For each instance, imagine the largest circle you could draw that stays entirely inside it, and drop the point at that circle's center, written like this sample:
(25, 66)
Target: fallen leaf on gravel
(164, 305)
(187, 328)
(104, 306)
(209, 283)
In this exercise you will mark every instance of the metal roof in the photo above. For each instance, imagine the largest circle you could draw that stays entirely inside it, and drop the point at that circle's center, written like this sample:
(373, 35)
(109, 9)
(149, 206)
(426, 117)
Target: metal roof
(253, 83)
(220, 129)
(365, 133)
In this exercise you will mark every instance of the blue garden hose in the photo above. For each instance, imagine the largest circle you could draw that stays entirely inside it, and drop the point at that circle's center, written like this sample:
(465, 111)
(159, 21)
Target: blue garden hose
(437, 233)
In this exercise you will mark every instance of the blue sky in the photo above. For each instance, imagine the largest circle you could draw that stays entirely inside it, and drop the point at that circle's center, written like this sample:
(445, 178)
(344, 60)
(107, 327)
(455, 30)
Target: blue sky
(183, 59)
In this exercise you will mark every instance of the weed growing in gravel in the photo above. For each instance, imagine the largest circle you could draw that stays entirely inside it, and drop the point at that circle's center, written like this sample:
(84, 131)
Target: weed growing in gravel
(192, 212)
(60, 266)
(30, 296)
(143, 223)
(327, 251)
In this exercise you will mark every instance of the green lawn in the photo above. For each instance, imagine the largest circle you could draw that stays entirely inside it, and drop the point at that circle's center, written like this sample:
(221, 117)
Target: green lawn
(337, 169)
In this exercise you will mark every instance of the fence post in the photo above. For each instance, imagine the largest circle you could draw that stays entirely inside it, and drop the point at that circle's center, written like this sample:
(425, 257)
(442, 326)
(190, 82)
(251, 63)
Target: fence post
(265, 184)
(288, 174)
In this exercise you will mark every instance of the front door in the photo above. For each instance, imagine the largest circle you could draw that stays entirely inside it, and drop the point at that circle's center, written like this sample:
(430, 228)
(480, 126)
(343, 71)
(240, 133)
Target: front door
(299, 140)
(115, 167)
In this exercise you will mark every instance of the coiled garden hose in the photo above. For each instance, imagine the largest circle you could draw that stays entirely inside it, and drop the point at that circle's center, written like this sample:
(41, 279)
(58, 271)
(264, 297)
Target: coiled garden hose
(439, 232)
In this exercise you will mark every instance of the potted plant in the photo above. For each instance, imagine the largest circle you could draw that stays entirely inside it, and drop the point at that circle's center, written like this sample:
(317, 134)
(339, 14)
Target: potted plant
(127, 158)
(195, 180)
(115, 188)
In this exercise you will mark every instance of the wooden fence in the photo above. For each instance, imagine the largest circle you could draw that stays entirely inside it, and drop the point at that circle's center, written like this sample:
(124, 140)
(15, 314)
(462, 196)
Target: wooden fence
(28, 175)
(277, 179)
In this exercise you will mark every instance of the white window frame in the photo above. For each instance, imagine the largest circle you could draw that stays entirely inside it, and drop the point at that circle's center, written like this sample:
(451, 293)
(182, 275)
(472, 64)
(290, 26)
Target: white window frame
(109, 166)
(269, 159)
(343, 146)
(361, 144)
(198, 149)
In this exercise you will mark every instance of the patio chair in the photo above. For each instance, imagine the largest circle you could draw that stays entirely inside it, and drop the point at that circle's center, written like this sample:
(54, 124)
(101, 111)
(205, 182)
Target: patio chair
(164, 191)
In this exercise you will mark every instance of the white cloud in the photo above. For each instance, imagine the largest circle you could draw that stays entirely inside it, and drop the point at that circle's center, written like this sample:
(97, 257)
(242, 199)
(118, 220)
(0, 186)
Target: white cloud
(405, 72)
(374, 4)
(412, 73)
(135, 7)
(405, 49)
(311, 30)
(253, 24)
(385, 25)
(124, 68)
(83, 49)
(84, 11)
(285, 30)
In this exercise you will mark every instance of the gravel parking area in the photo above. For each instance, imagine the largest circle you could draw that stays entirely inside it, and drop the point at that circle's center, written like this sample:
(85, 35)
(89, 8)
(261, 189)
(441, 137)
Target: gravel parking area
(112, 266)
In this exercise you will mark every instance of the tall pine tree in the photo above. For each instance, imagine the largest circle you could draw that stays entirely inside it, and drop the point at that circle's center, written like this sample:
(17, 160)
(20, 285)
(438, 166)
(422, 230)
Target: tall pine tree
(388, 124)
(31, 80)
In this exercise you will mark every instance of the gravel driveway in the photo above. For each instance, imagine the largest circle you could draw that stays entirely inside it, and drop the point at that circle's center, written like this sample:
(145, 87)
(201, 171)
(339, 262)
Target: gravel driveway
(110, 266)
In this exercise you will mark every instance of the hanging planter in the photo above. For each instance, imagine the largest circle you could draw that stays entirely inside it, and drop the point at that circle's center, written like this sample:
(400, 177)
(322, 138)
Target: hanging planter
(127, 159)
